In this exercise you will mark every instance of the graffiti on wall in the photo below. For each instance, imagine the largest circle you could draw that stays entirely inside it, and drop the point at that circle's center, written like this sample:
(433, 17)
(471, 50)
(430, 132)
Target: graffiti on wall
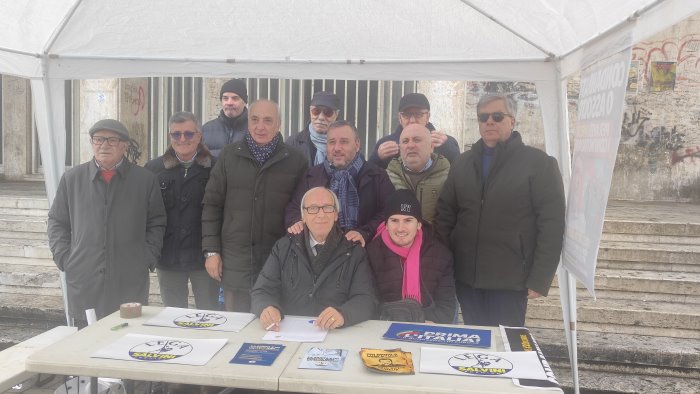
(658, 140)
(683, 51)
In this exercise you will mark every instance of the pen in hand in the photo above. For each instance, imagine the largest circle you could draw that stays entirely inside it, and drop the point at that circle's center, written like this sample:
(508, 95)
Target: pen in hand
(271, 325)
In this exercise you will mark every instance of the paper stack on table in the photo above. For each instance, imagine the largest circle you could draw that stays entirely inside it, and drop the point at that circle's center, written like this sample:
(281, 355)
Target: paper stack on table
(201, 319)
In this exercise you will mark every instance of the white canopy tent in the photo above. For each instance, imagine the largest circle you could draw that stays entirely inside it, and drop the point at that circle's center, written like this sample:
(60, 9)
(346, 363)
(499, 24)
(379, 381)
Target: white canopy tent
(541, 41)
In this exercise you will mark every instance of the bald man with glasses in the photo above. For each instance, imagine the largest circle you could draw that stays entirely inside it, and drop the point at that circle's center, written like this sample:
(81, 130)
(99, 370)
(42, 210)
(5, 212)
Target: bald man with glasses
(501, 211)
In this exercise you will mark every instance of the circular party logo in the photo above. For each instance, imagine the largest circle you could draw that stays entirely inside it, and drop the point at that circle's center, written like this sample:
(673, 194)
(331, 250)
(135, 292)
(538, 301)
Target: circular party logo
(160, 350)
(480, 364)
(200, 320)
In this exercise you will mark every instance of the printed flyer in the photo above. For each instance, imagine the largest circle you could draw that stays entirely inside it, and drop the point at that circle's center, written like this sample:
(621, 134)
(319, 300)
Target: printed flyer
(320, 358)
(257, 354)
(519, 339)
(438, 335)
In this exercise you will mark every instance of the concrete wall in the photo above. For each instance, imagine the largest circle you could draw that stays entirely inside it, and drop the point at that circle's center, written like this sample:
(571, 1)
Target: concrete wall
(16, 127)
(659, 154)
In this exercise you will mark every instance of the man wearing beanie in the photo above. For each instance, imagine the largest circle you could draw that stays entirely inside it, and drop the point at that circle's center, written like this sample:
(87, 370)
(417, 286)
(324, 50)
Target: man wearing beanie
(409, 263)
(232, 123)
(414, 108)
(106, 226)
(311, 141)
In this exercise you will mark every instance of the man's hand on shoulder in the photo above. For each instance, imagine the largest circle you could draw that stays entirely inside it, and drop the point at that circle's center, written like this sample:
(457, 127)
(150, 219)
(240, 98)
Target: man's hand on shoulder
(355, 236)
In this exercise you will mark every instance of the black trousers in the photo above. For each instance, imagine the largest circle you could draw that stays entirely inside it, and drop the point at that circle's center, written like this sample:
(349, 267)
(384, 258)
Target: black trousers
(487, 307)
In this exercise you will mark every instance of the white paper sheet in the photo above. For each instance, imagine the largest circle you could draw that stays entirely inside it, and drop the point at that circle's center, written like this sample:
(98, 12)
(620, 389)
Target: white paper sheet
(297, 329)
(524, 365)
(201, 319)
(153, 348)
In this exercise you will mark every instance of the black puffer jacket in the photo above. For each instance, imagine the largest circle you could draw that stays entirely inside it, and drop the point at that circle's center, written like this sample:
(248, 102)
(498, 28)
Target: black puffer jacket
(506, 233)
(436, 276)
(287, 282)
(223, 130)
(182, 190)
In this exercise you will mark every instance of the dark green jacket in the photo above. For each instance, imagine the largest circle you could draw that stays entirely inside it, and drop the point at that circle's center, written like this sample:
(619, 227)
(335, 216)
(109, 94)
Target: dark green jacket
(243, 213)
(288, 283)
(428, 189)
(506, 234)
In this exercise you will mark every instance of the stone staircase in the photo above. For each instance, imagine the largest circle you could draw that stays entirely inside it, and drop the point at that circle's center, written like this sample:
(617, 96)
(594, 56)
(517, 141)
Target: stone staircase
(31, 300)
(641, 334)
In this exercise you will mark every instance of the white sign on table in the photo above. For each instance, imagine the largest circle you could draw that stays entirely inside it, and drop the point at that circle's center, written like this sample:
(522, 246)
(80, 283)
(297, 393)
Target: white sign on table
(201, 319)
(153, 348)
(523, 365)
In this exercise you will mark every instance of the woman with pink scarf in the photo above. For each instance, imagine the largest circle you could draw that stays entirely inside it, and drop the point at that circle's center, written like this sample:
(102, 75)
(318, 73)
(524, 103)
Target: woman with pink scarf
(410, 264)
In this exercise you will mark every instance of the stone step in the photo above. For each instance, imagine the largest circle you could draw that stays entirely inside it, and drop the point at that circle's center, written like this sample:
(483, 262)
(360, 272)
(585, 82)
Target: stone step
(34, 212)
(639, 317)
(25, 248)
(8, 200)
(648, 266)
(22, 235)
(625, 353)
(659, 253)
(650, 238)
(642, 282)
(35, 224)
(613, 226)
(582, 292)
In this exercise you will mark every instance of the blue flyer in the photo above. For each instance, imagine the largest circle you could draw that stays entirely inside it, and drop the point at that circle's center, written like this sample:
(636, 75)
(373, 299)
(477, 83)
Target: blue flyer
(438, 335)
(257, 354)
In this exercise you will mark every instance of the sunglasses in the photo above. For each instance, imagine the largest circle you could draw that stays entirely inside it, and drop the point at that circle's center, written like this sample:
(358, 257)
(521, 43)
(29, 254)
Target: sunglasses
(327, 112)
(496, 116)
(178, 135)
(414, 115)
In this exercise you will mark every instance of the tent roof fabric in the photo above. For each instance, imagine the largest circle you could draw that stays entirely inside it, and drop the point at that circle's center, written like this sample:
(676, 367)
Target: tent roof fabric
(79, 39)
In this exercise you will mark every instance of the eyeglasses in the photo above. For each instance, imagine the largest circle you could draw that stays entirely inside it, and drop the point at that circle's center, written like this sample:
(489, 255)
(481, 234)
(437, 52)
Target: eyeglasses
(178, 134)
(414, 115)
(496, 116)
(314, 209)
(99, 140)
(327, 112)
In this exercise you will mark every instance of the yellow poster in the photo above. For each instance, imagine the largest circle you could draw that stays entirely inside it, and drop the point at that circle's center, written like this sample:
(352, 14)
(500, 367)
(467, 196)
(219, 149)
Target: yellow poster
(663, 76)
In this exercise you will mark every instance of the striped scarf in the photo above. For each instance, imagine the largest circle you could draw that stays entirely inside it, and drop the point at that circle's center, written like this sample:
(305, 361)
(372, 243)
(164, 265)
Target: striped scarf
(344, 185)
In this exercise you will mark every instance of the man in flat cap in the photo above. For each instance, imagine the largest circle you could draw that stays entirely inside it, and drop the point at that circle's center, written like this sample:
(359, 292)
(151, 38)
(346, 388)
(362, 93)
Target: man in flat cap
(324, 110)
(232, 123)
(414, 108)
(106, 226)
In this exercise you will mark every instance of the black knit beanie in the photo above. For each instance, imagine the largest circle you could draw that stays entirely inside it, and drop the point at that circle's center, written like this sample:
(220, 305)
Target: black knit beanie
(235, 86)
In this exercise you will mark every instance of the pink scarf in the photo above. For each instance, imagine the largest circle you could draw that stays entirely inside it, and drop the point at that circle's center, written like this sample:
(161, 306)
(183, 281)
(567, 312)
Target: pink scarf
(411, 258)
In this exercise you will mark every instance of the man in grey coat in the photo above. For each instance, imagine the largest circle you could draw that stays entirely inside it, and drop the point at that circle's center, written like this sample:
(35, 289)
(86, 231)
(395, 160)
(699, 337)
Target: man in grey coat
(316, 273)
(106, 226)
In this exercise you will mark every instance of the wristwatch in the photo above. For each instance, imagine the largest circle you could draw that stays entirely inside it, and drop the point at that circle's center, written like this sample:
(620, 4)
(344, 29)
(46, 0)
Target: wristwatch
(209, 254)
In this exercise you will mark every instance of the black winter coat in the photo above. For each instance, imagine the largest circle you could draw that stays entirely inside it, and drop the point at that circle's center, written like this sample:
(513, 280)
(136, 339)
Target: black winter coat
(301, 140)
(182, 190)
(223, 130)
(373, 189)
(506, 233)
(243, 214)
(287, 282)
(436, 276)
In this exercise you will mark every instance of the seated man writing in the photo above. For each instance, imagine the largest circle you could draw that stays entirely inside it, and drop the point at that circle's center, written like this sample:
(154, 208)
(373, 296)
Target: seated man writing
(317, 272)
(408, 262)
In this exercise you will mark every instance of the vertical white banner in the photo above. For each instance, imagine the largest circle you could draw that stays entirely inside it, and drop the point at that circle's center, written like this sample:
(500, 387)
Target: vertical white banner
(596, 138)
